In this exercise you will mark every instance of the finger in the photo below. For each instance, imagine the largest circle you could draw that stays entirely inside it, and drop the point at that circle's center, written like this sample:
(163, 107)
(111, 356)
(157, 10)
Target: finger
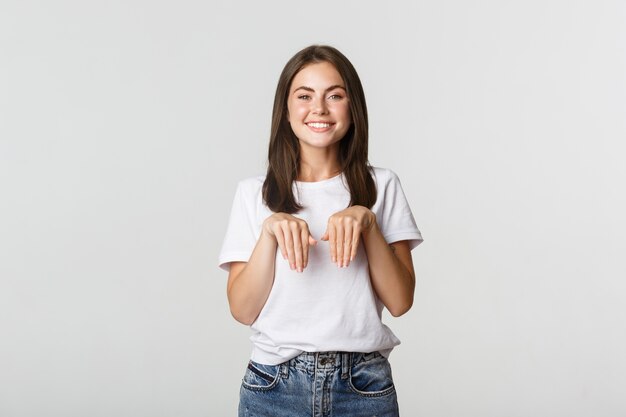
(355, 245)
(297, 246)
(280, 239)
(289, 245)
(340, 232)
(325, 235)
(332, 243)
(304, 236)
(347, 244)
(312, 241)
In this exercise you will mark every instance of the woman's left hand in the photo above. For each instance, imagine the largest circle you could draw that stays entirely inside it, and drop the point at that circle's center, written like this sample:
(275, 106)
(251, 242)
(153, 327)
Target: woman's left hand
(344, 232)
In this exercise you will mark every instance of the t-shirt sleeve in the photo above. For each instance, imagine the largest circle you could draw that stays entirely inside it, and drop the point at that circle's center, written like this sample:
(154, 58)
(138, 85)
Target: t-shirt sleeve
(241, 234)
(396, 220)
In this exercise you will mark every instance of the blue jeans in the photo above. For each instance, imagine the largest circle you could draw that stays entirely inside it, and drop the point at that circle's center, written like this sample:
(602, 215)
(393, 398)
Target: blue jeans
(324, 384)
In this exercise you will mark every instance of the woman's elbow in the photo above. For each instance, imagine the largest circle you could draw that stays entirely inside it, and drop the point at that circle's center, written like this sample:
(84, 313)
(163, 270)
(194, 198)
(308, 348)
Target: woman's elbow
(240, 310)
(242, 317)
(400, 309)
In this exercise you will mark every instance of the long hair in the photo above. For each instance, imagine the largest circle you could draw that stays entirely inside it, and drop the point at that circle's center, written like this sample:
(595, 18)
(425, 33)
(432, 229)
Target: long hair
(284, 147)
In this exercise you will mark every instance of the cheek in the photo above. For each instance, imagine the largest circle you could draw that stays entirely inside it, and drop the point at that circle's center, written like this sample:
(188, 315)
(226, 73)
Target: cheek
(295, 113)
(344, 113)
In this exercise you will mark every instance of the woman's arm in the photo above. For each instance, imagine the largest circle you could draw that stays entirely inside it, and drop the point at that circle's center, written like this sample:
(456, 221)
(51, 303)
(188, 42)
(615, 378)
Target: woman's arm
(391, 270)
(250, 283)
(391, 266)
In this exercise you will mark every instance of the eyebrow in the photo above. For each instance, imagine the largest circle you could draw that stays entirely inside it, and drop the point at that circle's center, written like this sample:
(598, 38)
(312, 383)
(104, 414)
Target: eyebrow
(332, 87)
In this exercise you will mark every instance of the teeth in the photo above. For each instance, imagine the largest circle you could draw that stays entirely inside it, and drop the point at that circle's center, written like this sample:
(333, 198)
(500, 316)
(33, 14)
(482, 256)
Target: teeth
(319, 125)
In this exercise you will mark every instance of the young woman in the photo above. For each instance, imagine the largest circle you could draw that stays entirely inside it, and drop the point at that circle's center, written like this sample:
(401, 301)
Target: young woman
(315, 249)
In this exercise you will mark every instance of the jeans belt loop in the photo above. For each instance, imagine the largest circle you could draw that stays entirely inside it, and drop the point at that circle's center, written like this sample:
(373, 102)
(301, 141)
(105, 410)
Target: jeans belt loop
(284, 369)
(345, 364)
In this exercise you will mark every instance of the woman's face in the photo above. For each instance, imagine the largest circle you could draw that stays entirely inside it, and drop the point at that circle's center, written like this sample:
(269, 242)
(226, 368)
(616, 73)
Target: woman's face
(317, 106)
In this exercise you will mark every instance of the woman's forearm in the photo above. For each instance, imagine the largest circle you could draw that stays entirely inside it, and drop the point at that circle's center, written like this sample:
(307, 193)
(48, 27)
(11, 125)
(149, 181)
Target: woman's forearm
(392, 280)
(249, 284)
(249, 288)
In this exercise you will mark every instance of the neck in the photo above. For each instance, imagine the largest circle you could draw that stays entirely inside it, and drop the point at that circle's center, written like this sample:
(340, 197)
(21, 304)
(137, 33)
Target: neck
(318, 166)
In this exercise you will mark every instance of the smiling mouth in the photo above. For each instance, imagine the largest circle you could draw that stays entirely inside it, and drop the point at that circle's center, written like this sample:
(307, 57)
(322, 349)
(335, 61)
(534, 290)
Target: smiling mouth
(319, 125)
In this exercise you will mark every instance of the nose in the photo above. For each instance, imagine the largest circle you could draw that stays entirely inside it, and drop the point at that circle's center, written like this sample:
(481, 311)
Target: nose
(318, 106)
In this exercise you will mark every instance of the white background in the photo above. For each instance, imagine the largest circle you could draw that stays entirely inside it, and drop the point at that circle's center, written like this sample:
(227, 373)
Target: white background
(125, 126)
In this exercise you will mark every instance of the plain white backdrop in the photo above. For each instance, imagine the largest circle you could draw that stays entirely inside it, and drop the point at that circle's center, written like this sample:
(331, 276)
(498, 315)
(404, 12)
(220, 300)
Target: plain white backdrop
(125, 126)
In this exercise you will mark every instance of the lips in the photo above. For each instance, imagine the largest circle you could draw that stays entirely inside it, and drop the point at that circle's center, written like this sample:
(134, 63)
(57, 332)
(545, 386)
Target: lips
(319, 125)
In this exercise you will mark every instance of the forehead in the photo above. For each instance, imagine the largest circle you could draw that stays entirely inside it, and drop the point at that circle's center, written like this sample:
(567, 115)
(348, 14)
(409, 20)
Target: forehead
(319, 75)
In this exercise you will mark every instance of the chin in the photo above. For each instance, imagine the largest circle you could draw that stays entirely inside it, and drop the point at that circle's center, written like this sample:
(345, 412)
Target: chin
(318, 143)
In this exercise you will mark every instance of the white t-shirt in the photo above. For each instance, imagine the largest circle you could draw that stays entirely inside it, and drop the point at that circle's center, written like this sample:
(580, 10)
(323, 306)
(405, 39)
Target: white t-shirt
(324, 308)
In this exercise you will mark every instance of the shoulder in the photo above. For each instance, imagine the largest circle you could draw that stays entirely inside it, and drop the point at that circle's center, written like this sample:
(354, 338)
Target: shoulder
(384, 177)
(251, 183)
(389, 190)
(250, 188)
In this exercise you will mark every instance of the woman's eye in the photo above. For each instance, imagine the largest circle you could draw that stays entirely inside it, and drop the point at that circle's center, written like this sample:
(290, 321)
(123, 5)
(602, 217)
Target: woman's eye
(304, 97)
(335, 97)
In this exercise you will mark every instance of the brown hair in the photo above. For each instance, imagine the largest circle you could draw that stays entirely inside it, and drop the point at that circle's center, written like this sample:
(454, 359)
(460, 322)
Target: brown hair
(284, 147)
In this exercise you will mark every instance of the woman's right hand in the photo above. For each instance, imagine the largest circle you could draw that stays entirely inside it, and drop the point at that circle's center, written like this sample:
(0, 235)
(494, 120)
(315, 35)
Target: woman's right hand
(293, 238)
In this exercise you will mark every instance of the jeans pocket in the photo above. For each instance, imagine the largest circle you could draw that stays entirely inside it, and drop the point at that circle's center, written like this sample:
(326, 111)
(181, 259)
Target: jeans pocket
(371, 376)
(260, 377)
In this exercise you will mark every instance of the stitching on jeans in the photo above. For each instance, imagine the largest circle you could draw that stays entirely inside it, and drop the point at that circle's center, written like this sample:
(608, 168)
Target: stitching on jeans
(371, 394)
(260, 373)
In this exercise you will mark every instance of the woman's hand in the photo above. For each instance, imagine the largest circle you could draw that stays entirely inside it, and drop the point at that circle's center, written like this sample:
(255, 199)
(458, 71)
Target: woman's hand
(344, 232)
(293, 238)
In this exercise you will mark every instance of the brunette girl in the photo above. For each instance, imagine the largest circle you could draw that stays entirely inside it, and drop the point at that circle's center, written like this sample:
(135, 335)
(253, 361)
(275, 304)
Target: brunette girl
(315, 249)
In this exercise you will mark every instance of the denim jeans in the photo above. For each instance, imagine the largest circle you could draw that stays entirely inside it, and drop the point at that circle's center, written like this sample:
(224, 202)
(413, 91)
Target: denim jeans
(324, 384)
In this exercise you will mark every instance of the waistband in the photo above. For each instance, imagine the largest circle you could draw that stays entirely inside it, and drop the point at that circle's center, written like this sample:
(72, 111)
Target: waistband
(328, 361)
